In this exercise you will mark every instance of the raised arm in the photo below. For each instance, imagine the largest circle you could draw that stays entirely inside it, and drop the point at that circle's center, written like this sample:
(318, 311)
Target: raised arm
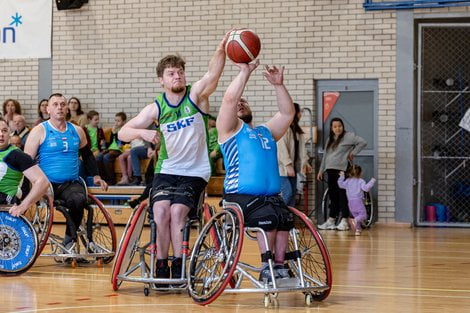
(208, 83)
(279, 123)
(137, 127)
(227, 121)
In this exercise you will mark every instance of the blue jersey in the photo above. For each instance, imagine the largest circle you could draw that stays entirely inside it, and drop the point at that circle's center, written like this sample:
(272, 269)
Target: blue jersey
(58, 154)
(250, 158)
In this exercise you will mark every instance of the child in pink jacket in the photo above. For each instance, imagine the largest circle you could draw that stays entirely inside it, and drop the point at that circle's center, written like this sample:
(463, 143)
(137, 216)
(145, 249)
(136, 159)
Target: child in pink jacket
(355, 187)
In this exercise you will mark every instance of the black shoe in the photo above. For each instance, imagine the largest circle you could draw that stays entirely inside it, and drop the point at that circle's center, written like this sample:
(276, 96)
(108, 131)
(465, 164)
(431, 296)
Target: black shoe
(133, 203)
(162, 271)
(136, 181)
(176, 268)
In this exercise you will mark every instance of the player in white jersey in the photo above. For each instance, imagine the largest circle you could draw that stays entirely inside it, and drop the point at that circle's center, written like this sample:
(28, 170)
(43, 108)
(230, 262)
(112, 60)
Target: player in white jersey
(183, 169)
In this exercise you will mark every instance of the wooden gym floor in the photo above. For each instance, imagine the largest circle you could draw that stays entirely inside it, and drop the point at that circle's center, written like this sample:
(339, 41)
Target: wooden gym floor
(387, 269)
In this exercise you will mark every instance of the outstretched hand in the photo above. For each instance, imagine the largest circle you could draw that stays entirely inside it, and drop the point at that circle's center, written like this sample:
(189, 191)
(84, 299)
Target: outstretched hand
(274, 75)
(248, 66)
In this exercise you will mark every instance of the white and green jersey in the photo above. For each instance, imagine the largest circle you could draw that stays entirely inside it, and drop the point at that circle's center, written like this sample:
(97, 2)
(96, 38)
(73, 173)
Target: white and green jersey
(10, 178)
(183, 138)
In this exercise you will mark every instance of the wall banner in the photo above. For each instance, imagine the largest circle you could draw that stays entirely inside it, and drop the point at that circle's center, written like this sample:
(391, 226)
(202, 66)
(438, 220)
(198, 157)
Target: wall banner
(25, 29)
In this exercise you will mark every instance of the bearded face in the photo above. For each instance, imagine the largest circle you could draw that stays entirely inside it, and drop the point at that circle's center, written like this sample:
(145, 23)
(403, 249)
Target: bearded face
(244, 112)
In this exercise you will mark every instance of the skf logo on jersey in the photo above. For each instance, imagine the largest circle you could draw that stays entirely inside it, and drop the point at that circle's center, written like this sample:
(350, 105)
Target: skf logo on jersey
(172, 127)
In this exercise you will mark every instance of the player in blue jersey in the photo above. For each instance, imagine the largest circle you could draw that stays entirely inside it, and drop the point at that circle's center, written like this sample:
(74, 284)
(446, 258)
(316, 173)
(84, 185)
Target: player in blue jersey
(57, 145)
(250, 156)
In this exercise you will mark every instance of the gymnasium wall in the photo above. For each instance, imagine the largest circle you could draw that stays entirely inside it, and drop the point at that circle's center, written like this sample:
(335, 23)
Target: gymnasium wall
(105, 54)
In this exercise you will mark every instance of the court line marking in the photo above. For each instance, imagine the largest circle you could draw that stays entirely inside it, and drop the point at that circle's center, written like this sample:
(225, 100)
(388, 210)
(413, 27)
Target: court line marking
(225, 305)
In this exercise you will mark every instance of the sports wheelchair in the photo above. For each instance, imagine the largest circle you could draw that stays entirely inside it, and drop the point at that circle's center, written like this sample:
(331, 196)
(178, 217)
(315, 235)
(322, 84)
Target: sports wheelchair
(136, 257)
(95, 237)
(18, 243)
(214, 263)
(23, 238)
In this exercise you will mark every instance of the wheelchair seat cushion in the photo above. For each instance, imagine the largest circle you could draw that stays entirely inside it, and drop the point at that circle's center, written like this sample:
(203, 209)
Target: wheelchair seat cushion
(265, 212)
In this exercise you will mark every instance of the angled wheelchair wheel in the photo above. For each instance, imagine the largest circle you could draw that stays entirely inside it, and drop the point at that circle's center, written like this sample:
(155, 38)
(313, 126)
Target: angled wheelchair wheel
(370, 210)
(41, 217)
(97, 227)
(215, 256)
(18, 244)
(315, 260)
(128, 245)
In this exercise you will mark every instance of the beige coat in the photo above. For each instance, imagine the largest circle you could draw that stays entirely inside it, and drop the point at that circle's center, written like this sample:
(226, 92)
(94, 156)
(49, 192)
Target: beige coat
(286, 150)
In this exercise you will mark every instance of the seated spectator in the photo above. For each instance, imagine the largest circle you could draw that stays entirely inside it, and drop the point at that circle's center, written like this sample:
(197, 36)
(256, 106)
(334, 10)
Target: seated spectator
(15, 140)
(19, 128)
(115, 147)
(11, 107)
(75, 114)
(94, 134)
(137, 154)
(42, 112)
(149, 174)
(215, 156)
(125, 163)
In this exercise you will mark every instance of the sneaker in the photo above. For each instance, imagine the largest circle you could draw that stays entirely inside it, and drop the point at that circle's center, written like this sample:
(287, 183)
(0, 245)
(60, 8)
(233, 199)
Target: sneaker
(136, 181)
(69, 246)
(162, 272)
(282, 272)
(94, 248)
(265, 275)
(358, 233)
(329, 224)
(343, 225)
(176, 268)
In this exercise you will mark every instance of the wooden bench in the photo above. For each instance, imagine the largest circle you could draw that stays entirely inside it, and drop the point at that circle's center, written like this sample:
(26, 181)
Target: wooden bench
(114, 198)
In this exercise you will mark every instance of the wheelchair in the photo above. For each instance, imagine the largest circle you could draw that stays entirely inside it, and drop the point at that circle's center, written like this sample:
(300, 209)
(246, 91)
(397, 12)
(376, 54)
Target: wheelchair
(214, 265)
(18, 243)
(95, 237)
(136, 256)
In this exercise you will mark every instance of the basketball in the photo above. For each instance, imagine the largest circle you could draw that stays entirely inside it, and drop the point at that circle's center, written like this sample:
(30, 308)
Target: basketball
(243, 46)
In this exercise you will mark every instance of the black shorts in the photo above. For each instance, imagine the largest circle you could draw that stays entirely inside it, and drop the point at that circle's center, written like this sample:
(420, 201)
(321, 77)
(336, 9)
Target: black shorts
(185, 190)
(6, 199)
(72, 194)
(266, 212)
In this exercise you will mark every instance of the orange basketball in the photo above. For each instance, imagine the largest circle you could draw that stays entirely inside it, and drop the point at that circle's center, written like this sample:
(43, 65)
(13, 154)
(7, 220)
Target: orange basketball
(243, 46)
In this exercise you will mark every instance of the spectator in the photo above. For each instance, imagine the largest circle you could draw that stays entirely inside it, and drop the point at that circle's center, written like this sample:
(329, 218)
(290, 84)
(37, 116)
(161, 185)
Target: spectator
(75, 114)
(94, 133)
(355, 187)
(19, 128)
(15, 140)
(292, 158)
(341, 148)
(215, 156)
(11, 107)
(125, 163)
(42, 112)
(115, 147)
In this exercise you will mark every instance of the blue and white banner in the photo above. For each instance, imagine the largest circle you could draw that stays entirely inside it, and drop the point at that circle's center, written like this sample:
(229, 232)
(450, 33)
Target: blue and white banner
(25, 29)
